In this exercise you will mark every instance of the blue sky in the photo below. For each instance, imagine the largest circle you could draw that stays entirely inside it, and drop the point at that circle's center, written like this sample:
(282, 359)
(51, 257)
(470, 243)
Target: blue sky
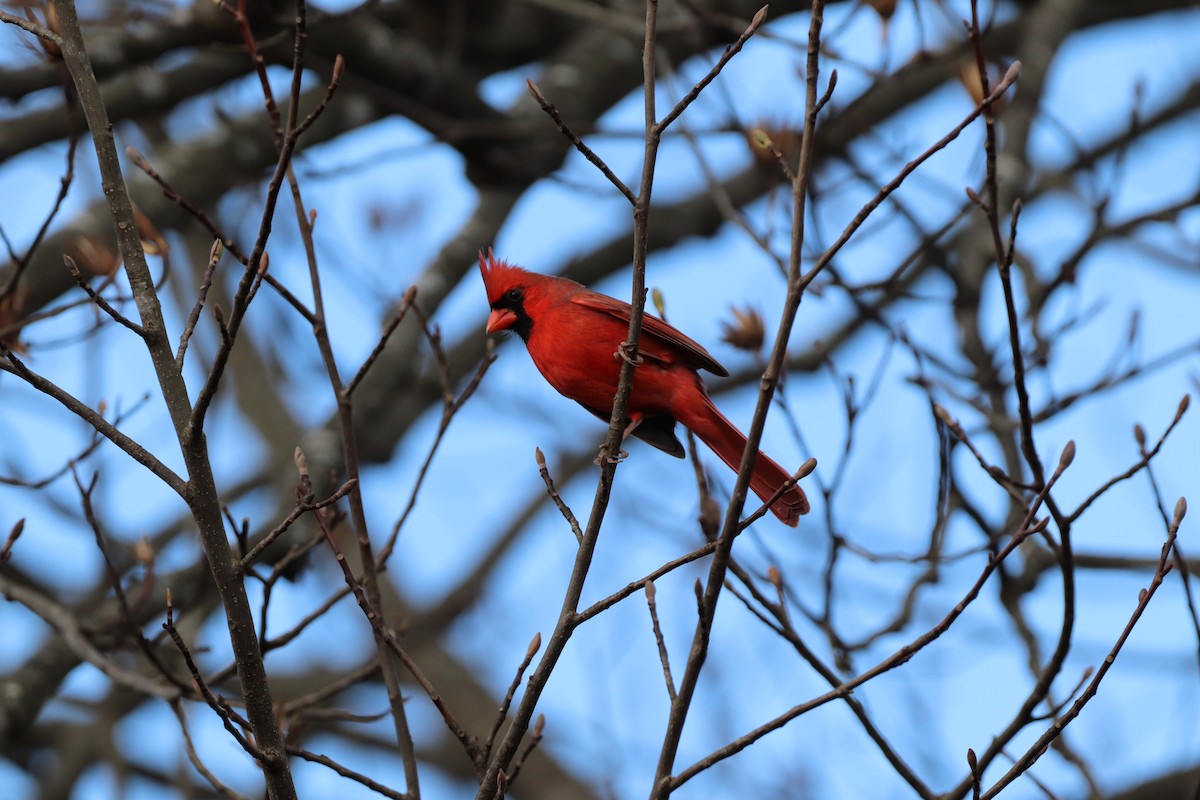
(607, 689)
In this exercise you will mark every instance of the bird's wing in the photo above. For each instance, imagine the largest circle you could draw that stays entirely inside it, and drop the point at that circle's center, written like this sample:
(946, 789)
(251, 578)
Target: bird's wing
(654, 329)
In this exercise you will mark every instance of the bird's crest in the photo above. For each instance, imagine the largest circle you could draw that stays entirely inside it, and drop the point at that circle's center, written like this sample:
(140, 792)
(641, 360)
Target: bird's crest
(498, 275)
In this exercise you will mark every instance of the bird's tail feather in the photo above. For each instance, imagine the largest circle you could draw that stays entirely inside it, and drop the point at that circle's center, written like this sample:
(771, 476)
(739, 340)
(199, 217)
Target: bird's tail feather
(716, 431)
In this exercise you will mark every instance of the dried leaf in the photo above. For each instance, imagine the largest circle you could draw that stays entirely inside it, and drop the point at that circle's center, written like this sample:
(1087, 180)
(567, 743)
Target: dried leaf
(12, 311)
(774, 576)
(745, 331)
(153, 242)
(884, 8)
(143, 551)
(94, 256)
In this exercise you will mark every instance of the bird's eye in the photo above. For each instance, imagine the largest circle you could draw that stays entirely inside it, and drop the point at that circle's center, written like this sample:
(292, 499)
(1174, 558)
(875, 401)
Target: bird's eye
(515, 295)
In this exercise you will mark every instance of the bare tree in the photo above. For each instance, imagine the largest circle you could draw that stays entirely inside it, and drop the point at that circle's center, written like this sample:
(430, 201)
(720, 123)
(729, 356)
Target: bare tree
(920, 248)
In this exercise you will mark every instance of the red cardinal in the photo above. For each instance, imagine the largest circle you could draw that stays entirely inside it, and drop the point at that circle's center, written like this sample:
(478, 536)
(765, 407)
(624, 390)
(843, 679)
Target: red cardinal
(573, 333)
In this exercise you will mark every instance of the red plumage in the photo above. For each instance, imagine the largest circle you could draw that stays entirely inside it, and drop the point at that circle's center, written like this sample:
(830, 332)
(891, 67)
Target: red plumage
(572, 334)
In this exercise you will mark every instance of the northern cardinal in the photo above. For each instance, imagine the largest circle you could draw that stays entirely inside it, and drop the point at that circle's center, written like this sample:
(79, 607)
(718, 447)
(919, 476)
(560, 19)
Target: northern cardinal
(573, 335)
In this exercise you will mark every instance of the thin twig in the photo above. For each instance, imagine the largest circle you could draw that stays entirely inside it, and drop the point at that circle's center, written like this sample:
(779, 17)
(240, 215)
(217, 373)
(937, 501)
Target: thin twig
(800, 474)
(346, 772)
(352, 678)
(1180, 410)
(405, 303)
(202, 217)
(658, 640)
(606, 603)
(31, 27)
(214, 256)
(551, 490)
(1026, 529)
(100, 301)
(13, 535)
(22, 263)
(535, 736)
(339, 66)
(89, 515)
(534, 645)
(1035, 751)
(260, 66)
(574, 139)
(216, 704)
(780, 622)
(997, 474)
(11, 363)
(67, 625)
(200, 491)
(1004, 256)
(732, 50)
(663, 783)
(368, 593)
(194, 757)
(300, 510)
(1185, 572)
(1009, 78)
(470, 745)
(299, 628)
(450, 408)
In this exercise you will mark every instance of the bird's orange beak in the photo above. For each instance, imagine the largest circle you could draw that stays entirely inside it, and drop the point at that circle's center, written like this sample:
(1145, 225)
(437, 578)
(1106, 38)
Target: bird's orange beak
(500, 319)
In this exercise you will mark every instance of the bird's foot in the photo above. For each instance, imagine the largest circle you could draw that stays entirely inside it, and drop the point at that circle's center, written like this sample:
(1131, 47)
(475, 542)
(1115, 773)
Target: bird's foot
(603, 456)
(627, 352)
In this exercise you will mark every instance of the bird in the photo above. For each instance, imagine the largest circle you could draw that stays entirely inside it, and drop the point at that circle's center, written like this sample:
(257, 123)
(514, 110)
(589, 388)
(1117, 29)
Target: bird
(576, 338)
